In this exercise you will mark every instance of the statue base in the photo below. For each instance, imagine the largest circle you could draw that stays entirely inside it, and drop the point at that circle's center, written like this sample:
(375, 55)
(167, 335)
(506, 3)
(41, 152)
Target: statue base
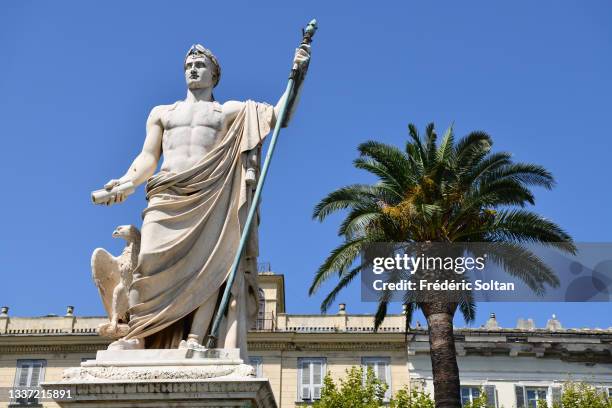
(163, 378)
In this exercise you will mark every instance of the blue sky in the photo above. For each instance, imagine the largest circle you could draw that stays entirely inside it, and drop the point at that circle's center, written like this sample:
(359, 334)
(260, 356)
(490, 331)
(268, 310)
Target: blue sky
(77, 80)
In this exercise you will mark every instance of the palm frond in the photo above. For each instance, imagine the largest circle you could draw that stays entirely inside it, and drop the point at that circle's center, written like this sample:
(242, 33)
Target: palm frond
(498, 192)
(446, 147)
(431, 138)
(486, 165)
(467, 306)
(524, 264)
(416, 141)
(381, 313)
(345, 280)
(410, 308)
(475, 144)
(528, 227)
(528, 174)
(343, 198)
(392, 158)
(340, 259)
(387, 178)
(358, 220)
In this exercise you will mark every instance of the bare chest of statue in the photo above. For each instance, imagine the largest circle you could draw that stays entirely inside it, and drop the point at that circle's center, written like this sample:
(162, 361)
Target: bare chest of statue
(191, 130)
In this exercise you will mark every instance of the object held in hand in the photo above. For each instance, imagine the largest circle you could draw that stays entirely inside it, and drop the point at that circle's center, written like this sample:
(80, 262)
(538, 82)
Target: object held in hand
(104, 196)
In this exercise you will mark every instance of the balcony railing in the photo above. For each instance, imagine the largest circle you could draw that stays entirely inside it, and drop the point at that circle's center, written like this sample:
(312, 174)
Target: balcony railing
(264, 267)
(265, 323)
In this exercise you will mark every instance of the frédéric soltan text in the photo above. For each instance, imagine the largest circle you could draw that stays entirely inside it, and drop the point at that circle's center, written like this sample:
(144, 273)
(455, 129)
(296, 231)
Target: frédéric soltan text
(413, 264)
(445, 285)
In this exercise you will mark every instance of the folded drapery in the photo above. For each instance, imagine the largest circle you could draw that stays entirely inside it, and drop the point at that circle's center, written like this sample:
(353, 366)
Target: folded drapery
(190, 234)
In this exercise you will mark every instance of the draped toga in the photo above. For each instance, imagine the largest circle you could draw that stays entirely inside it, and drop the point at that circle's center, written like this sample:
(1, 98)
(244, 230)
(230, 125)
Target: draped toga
(190, 234)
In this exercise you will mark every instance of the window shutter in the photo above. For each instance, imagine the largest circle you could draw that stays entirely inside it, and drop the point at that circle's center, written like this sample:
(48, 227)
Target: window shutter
(381, 371)
(386, 377)
(24, 371)
(34, 380)
(305, 384)
(519, 390)
(35, 377)
(369, 365)
(317, 379)
(556, 394)
(489, 391)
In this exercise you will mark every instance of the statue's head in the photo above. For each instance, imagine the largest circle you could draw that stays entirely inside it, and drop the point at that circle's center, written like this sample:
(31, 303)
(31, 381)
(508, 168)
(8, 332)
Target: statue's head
(202, 69)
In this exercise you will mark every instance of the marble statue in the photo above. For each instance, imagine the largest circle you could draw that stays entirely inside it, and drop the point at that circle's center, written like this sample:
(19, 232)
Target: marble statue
(197, 205)
(113, 277)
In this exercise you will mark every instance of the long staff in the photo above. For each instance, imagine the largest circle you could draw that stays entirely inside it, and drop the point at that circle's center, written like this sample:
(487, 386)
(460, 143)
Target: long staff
(294, 79)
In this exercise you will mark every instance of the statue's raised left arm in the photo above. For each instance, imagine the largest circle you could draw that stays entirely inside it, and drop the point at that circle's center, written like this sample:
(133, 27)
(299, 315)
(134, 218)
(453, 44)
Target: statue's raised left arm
(300, 61)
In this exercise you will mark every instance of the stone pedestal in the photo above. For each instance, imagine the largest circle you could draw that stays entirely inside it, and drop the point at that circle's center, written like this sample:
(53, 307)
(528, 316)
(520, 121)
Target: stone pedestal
(163, 378)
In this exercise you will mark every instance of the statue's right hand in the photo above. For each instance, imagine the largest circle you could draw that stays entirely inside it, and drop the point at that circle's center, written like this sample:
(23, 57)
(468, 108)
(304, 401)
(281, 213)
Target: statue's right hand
(117, 197)
(112, 183)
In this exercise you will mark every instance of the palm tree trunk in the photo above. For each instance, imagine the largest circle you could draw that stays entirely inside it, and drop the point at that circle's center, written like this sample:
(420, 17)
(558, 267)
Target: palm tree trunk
(444, 367)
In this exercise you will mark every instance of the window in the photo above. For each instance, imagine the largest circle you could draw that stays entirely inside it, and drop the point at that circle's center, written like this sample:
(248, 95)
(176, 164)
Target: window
(535, 394)
(260, 323)
(29, 374)
(469, 394)
(528, 397)
(310, 378)
(257, 364)
(382, 370)
(606, 391)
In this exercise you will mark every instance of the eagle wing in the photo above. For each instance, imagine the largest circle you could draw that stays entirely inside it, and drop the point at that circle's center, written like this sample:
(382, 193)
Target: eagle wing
(105, 273)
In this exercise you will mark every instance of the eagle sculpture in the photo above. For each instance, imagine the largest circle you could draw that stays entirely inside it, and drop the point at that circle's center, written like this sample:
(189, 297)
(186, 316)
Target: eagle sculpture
(113, 277)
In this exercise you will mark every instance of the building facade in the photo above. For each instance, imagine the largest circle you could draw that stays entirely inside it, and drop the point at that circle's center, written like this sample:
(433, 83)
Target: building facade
(516, 367)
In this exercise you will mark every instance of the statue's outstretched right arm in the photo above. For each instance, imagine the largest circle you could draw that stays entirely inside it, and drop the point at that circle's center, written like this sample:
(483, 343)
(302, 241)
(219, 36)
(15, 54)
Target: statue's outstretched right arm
(145, 163)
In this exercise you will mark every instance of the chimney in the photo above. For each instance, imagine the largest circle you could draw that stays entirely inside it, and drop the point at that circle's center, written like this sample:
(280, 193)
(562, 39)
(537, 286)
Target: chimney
(69, 311)
(492, 324)
(553, 324)
(4, 319)
(342, 309)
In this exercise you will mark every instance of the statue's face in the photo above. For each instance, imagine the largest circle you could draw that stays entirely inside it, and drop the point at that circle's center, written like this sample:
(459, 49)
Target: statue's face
(198, 72)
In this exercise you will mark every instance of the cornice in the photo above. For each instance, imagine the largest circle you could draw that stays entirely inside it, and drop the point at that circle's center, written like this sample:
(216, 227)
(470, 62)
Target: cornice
(51, 348)
(324, 346)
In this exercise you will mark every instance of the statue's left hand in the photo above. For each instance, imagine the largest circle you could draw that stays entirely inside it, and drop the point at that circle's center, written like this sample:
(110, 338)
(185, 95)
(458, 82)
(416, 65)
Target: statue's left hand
(302, 57)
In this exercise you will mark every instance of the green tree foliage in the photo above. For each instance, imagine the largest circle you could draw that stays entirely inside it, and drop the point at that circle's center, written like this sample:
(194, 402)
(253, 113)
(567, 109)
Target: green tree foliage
(580, 395)
(352, 391)
(411, 399)
(364, 390)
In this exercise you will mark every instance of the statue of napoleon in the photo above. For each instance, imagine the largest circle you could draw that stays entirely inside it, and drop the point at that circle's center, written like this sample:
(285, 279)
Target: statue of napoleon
(197, 207)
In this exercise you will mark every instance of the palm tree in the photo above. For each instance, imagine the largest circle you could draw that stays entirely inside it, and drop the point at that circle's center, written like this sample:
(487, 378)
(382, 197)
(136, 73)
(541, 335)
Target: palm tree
(449, 192)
